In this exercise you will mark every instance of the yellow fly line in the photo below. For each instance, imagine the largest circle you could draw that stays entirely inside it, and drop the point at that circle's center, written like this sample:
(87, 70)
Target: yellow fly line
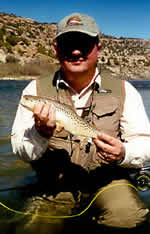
(68, 216)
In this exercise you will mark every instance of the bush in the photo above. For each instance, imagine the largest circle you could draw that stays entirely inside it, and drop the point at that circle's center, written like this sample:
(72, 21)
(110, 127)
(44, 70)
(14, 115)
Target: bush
(11, 59)
(51, 53)
(116, 62)
(1, 43)
(1, 36)
(108, 62)
(147, 63)
(2, 33)
(20, 31)
(8, 47)
(103, 59)
(42, 50)
(41, 28)
(31, 34)
(20, 52)
(12, 40)
(11, 24)
(25, 41)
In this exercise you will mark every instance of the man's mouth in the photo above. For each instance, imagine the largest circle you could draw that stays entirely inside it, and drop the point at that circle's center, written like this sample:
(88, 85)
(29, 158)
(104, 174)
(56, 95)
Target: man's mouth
(76, 60)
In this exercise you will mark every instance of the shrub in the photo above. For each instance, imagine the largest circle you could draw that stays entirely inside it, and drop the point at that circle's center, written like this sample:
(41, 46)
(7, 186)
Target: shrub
(41, 28)
(8, 47)
(51, 53)
(116, 62)
(2, 33)
(42, 50)
(11, 59)
(11, 24)
(102, 59)
(20, 52)
(31, 34)
(25, 41)
(1, 43)
(108, 62)
(12, 40)
(20, 31)
(147, 63)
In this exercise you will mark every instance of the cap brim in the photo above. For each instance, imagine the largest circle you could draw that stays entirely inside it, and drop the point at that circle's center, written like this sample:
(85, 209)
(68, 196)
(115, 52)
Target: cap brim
(77, 30)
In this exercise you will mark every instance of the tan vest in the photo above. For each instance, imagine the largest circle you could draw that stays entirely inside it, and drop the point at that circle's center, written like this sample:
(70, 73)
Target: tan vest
(105, 113)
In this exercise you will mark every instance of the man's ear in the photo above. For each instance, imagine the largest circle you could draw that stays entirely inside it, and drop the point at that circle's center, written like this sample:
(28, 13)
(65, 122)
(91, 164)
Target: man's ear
(99, 45)
(54, 48)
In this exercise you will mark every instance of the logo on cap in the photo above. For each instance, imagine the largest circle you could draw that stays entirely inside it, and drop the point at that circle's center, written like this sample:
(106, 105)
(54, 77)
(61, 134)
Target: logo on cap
(74, 21)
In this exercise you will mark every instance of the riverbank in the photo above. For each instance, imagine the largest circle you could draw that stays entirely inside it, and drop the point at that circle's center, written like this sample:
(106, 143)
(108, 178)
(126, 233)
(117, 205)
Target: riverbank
(34, 78)
(105, 72)
(14, 71)
(19, 78)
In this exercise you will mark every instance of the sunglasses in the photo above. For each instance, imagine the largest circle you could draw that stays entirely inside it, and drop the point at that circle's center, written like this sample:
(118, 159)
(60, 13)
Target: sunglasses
(75, 41)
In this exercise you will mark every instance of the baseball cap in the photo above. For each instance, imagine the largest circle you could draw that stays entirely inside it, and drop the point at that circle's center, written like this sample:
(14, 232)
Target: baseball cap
(77, 22)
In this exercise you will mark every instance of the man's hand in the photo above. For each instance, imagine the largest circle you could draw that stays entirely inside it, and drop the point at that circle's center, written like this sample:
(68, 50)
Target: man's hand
(45, 119)
(109, 149)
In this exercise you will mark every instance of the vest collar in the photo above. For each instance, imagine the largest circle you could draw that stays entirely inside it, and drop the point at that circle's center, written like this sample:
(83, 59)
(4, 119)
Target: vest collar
(62, 84)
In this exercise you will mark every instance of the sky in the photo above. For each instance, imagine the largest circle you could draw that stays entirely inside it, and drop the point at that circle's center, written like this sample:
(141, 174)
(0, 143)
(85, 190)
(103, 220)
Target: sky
(120, 18)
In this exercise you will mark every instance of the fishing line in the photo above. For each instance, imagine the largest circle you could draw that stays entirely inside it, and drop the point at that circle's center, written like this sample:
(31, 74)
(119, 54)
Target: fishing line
(67, 216)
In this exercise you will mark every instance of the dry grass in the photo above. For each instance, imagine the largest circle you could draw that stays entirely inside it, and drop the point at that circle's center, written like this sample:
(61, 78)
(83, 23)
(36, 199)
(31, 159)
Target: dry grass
(44, 68)
(31, 69)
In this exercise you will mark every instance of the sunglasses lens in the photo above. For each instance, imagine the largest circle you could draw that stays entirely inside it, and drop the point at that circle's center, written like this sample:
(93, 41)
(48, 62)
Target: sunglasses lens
(75, 41)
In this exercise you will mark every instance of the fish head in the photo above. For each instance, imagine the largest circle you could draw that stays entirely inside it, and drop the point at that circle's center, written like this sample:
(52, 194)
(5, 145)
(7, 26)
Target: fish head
(28, 102)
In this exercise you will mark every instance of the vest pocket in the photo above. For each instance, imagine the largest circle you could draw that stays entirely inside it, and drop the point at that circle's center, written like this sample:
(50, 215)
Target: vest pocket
(108, 110)
(106, 116)
(59, 143)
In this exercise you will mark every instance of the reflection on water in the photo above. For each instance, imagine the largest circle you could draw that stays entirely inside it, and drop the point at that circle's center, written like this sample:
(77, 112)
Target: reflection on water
(14, 172)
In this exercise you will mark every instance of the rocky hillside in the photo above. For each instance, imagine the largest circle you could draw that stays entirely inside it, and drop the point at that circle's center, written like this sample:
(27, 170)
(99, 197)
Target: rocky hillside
(25, 41)
(128, 57)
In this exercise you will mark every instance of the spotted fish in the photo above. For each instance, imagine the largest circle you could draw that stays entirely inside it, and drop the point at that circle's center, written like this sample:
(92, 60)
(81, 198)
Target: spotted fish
(65, 116)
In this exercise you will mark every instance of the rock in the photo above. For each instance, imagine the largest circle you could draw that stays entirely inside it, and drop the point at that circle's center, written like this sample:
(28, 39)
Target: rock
(2, 56)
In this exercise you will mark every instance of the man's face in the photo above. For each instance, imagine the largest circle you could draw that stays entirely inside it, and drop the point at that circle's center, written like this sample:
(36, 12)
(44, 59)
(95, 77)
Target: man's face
(77, 52)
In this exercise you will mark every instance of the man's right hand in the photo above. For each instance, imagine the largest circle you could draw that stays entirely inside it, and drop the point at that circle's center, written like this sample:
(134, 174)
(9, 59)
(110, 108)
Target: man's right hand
(45, 119)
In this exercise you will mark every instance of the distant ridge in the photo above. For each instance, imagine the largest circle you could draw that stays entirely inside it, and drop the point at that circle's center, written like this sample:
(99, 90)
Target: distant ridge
(24, 41)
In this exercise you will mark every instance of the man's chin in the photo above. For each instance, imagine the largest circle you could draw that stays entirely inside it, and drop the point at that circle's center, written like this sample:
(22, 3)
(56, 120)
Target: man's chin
(79, 68)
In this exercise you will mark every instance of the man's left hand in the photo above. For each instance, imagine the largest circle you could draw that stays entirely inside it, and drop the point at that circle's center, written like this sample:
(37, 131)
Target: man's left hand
(109, 149)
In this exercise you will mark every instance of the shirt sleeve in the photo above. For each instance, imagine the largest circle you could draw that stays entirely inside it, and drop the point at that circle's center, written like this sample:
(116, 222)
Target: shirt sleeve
(26, 142)
(135, 129)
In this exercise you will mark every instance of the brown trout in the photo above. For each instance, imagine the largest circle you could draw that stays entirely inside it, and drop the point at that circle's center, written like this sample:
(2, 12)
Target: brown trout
(65, 116)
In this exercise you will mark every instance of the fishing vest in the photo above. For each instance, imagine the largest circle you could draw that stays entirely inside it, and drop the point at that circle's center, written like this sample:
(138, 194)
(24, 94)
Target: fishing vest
(103, 110)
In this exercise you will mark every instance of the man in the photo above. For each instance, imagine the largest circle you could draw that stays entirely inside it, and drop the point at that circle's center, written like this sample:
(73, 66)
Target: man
(66, 163)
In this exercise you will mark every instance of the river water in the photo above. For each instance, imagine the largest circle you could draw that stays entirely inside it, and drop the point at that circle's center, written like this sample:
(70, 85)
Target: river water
(15, 173)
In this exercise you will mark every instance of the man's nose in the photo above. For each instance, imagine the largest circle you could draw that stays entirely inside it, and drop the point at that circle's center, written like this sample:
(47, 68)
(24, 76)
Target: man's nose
(76, 52)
